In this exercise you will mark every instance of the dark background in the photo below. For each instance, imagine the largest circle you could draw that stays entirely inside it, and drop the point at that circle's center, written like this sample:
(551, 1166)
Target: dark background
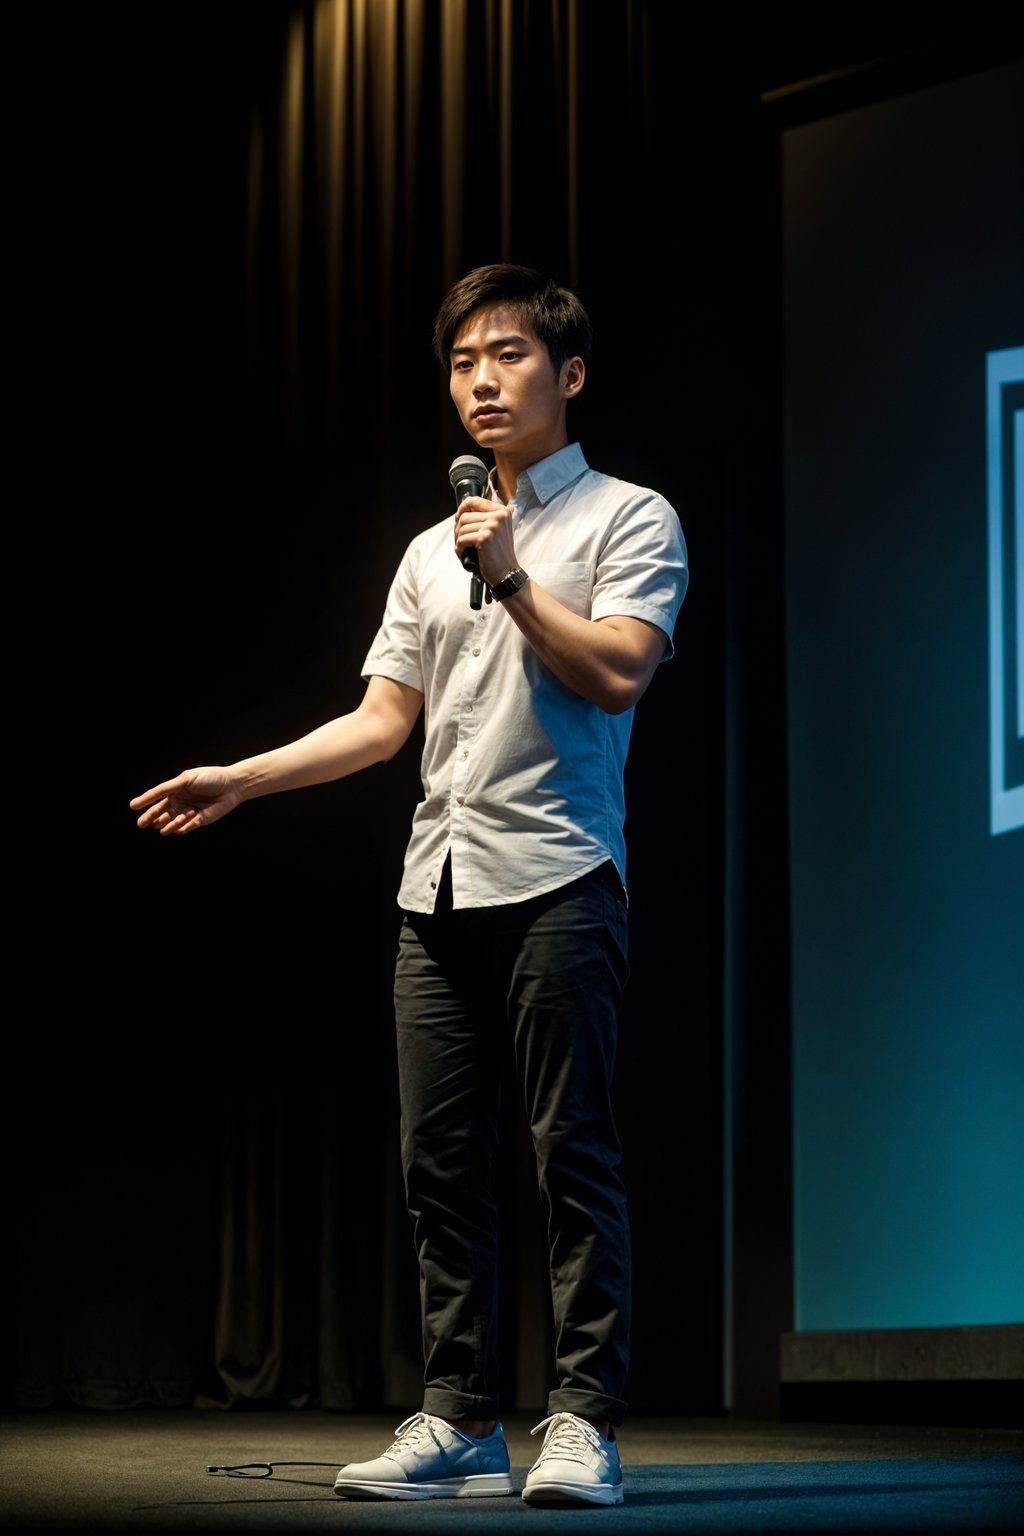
(239, 426)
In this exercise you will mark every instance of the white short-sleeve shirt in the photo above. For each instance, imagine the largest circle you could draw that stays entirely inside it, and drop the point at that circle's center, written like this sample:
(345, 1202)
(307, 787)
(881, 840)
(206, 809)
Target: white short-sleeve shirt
(522, 778)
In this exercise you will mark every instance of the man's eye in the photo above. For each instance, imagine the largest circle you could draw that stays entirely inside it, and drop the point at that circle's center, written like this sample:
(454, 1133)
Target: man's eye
(510, 357)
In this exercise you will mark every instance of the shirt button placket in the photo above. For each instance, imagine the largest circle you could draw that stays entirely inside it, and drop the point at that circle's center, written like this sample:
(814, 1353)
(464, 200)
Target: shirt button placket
(468, 717)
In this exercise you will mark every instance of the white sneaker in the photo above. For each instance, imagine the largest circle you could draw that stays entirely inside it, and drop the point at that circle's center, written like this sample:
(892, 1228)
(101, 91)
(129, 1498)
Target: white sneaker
(576, 1465)
(430, 1460)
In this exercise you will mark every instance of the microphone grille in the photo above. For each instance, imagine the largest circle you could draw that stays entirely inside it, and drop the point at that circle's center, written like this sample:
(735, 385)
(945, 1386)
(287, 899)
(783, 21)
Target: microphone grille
(467, 467)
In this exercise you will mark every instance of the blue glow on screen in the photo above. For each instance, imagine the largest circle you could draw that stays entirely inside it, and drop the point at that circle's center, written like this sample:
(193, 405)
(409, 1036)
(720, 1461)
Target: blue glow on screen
(904, 604)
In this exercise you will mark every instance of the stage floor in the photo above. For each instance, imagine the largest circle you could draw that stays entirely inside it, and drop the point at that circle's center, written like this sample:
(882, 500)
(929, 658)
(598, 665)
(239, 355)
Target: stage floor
(147, 1470)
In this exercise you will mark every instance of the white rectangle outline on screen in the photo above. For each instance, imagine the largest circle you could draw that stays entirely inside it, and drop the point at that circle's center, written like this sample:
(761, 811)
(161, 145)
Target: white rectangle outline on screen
(1004, 367)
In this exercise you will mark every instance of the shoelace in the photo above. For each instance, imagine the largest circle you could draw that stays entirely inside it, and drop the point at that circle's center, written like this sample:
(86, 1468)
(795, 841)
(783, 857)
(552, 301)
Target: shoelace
(564, 1436)
(412, 1433)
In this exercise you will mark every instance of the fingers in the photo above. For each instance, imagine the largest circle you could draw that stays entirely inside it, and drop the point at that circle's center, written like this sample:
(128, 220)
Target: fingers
(491, 524)
(186, 821)
(160, 812)
(475, 515)
(161, 816)
(158, 792)
(168, 822)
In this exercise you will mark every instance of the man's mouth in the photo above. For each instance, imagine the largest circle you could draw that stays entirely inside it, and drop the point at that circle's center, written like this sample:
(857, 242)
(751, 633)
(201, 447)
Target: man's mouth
(488, 410)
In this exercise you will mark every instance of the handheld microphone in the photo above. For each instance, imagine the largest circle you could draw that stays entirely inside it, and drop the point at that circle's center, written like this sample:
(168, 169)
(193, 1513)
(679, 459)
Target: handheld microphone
(468, 477)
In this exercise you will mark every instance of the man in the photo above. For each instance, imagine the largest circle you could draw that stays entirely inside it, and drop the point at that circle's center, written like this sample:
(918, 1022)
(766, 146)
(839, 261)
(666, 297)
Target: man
(513, 887)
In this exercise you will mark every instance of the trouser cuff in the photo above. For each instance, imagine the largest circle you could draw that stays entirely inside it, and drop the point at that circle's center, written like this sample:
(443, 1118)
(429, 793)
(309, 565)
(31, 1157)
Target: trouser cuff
(445, 1403)
(587, 1405)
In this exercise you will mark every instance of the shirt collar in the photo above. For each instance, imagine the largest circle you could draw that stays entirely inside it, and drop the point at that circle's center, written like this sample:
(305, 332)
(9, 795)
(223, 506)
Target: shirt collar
(549, 476)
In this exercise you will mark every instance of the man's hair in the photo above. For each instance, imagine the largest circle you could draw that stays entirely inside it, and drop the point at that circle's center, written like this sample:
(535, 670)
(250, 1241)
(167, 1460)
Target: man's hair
(554, 314)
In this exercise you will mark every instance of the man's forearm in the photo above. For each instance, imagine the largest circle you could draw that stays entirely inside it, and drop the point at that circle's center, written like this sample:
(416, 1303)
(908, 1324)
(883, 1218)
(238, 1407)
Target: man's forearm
(608, 661)
(370, 734)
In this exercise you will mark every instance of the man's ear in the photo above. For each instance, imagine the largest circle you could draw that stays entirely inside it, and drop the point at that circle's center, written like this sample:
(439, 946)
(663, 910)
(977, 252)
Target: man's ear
(573, 374)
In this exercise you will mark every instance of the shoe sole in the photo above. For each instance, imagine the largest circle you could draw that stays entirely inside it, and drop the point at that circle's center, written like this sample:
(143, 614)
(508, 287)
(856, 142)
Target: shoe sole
(573, 1493)
(483, 1485)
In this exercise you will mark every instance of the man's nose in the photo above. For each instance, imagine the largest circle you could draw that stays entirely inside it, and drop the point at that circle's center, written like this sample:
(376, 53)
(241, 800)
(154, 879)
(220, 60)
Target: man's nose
(485, 380)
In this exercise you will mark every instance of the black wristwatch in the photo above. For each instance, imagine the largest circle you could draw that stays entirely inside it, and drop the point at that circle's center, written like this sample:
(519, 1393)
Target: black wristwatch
(509, 584)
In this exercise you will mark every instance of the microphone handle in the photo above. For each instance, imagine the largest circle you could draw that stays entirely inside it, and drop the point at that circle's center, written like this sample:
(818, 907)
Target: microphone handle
(471, 560)
(471, 563)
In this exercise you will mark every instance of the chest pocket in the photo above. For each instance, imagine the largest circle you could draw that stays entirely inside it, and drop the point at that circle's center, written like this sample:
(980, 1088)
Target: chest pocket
(566, 580)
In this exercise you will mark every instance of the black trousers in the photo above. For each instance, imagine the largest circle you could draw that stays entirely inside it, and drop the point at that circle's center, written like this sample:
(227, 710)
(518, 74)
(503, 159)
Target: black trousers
(550, 972)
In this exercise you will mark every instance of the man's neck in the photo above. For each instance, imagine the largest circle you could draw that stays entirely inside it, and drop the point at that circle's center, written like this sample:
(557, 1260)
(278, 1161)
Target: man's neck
(508, 468)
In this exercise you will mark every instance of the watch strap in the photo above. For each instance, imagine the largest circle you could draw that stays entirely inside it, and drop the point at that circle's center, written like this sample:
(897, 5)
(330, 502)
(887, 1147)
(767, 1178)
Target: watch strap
(513, 581)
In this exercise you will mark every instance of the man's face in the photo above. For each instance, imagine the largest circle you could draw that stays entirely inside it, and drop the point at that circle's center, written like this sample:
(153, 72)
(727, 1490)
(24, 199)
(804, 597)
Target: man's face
(504, 389)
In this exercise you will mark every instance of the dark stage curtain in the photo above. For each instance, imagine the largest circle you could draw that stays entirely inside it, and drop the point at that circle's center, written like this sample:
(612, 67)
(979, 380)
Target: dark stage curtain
(265, 206)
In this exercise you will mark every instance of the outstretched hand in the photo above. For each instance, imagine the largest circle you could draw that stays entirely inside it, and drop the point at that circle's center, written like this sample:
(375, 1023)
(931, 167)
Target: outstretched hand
(194, 799)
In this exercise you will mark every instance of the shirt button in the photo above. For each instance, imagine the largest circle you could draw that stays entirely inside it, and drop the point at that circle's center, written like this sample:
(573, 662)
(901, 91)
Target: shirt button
(461, 799)
(469, 709)
(465, 751)
(476, 650)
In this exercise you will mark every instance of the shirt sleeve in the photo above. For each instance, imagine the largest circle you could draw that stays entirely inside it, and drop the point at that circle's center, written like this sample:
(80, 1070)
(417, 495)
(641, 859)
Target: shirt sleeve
(642, 569)
(396, 650)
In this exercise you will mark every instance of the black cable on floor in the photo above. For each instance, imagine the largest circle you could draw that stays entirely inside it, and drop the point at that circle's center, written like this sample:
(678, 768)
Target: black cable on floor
(266, 1468)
